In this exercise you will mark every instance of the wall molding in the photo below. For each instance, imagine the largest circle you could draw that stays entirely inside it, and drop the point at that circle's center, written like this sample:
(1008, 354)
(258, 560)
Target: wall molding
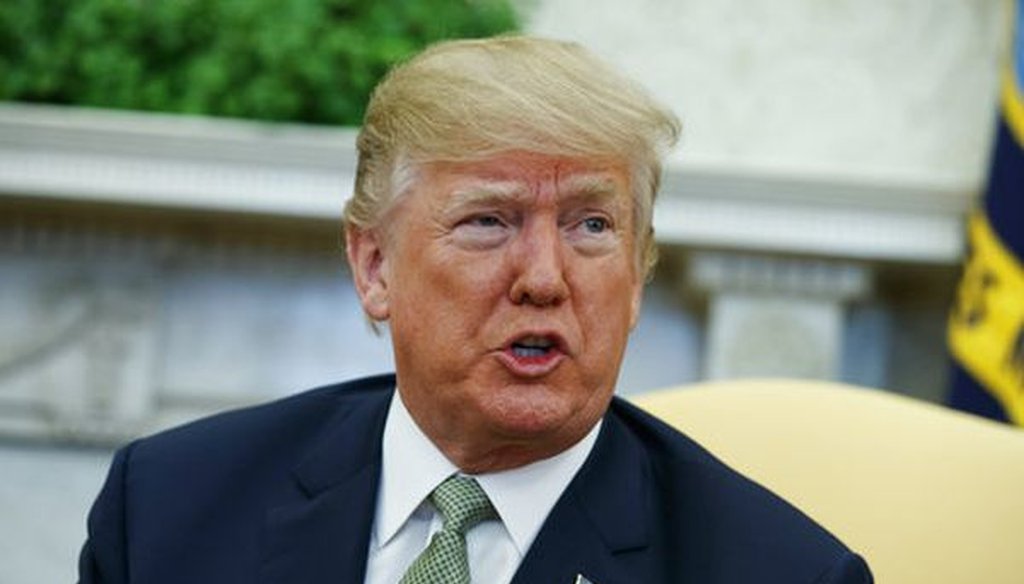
(184, 162)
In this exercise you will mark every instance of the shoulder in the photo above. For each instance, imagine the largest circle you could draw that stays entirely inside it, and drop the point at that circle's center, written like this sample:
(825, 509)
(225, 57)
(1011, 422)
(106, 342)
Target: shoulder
(264, 432)
(738, 523)
(195, 499)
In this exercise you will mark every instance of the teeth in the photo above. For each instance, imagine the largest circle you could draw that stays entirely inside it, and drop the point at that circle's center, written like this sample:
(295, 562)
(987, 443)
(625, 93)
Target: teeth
(520, 351)
(534, 343)
(532, 346)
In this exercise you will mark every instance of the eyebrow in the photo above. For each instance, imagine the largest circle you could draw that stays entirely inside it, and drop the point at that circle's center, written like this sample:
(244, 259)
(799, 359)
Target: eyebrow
(489, 192)
(588, 188)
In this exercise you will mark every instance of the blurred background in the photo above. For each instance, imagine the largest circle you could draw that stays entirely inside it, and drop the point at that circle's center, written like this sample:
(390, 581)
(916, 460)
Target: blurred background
(172, 176)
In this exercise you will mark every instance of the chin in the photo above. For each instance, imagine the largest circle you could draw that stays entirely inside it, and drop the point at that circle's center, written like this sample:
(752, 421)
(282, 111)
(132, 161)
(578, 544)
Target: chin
(532, 412)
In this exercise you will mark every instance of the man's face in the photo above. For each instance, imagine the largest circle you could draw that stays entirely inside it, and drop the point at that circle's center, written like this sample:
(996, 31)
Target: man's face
(511, 286)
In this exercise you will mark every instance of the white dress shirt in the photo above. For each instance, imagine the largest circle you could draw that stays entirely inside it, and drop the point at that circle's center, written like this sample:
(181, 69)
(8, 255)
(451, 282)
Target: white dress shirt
(405, 520)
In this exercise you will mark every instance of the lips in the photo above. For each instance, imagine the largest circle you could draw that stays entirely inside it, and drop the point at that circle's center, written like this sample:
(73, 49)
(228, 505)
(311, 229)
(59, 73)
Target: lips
(533, 354)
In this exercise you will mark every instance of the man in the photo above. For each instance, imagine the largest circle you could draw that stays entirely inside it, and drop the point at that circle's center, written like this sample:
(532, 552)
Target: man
(501, 227)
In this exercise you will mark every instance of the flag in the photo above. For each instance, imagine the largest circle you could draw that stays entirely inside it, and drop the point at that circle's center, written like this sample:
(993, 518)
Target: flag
(986, 325)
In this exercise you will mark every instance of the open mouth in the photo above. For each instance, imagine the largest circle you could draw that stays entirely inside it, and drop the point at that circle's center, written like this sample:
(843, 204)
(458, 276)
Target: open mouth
(533, 355)
(533, 346)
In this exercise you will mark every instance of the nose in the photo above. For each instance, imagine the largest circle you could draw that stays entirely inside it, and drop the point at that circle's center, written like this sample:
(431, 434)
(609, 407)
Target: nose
(537, 258)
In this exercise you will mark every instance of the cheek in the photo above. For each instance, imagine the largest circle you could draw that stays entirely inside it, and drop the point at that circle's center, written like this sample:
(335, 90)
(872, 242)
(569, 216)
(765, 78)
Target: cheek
(608, 312)
(450, 294)
(460, 294)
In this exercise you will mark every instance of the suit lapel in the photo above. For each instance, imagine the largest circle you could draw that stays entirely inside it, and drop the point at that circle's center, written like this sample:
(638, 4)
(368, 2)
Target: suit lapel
(600, 526)
(323, 533)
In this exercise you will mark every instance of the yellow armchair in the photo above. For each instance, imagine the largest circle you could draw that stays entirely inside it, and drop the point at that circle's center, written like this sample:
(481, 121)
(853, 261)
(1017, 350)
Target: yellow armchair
(927, 495)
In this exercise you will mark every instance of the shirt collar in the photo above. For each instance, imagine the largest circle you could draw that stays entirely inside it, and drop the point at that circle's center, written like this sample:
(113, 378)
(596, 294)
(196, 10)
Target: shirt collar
(412, 466)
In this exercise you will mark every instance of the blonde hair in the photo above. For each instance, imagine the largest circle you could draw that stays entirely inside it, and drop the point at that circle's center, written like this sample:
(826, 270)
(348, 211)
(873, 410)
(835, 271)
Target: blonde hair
(472, 99)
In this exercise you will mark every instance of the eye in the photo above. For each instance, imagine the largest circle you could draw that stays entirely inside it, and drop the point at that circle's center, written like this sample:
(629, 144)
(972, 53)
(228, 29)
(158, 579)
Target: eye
(596, 224)
(482, 231)
(485, 221)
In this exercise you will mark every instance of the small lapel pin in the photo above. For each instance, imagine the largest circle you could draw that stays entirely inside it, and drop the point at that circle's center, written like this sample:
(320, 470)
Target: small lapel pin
(580, 579)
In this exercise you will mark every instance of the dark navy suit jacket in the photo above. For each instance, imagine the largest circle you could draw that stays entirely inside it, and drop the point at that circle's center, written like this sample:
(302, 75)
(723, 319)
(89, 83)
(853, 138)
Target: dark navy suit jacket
(285, 493)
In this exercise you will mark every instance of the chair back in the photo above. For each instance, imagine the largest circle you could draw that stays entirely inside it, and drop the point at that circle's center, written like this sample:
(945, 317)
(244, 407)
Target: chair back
(926, 494)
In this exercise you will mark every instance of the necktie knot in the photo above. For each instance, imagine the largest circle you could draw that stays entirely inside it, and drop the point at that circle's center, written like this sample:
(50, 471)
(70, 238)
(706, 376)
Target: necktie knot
(462, 503)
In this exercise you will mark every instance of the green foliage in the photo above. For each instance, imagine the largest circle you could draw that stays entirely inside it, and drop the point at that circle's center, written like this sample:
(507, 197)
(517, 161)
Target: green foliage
(300, 60)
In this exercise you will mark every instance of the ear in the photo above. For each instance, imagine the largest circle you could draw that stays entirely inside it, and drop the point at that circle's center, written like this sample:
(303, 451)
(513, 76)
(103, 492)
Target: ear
(635, 302)
(366, 258)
